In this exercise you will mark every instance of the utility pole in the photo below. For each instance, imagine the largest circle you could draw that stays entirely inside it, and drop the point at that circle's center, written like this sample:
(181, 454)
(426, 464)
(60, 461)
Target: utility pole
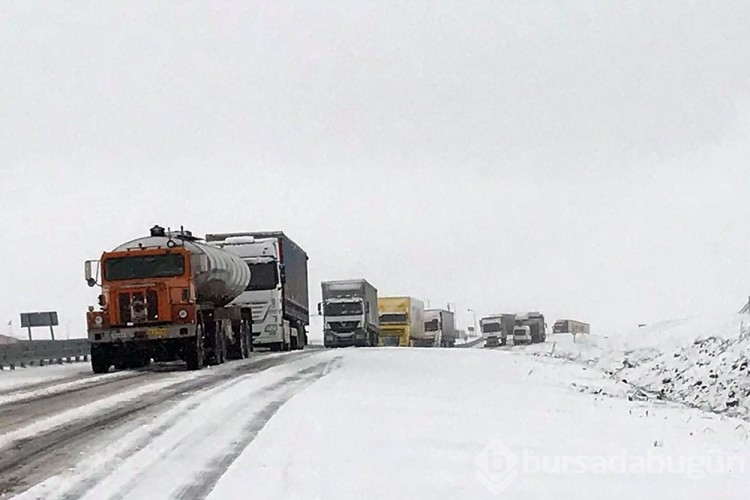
(475, 321)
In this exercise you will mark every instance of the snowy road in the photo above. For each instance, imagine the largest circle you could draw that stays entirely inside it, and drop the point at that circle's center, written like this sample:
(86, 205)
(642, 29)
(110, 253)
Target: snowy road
(48, 427)
(371, 423)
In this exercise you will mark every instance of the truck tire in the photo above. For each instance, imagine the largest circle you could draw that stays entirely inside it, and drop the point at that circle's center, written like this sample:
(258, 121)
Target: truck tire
(194, 352)
(245, 346)
(221, 353)
(100, 360)
(301, 338)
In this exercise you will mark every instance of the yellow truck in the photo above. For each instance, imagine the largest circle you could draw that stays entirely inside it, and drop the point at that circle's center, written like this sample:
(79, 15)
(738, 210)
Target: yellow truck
(401, 320)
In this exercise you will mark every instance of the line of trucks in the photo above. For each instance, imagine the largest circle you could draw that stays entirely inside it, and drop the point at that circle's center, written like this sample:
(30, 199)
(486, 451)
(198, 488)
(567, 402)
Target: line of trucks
(173, 296)
(354, 315)
(524, 328)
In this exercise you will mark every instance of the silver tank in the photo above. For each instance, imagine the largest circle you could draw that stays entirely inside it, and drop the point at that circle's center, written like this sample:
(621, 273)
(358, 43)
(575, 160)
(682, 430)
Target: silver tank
(220, 276)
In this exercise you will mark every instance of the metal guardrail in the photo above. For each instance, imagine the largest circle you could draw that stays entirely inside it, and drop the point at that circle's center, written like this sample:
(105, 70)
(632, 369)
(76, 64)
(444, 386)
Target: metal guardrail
(472, 343)
(43, 352)
(745, 308)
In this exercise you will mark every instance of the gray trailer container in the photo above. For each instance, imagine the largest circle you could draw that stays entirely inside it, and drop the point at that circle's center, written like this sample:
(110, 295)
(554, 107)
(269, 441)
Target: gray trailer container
(350, 313)
(441, 324)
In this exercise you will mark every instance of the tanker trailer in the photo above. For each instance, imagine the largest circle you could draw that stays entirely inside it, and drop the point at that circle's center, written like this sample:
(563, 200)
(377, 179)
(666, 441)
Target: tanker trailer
(166, 297)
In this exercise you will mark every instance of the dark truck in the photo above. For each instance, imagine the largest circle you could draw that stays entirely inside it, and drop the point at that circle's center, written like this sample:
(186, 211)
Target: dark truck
(350, 313)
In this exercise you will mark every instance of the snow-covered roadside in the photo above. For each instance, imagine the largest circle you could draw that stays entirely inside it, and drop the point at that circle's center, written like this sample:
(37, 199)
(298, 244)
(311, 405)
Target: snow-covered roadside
(431, 423)
(11, 380)
(30, 392)
(702, 362)
(65, 418)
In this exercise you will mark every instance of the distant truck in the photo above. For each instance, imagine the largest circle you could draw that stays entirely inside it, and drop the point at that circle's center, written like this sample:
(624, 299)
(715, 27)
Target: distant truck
(535, 322)
(497, 329)
(350, 313)
(401, 319)
(277, 294)
(165, 297)
(440, 328)
(570, 326)
(521, 335)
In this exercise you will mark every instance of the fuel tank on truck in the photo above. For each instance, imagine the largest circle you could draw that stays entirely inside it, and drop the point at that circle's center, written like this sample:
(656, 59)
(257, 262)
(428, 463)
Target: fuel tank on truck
(219, 276)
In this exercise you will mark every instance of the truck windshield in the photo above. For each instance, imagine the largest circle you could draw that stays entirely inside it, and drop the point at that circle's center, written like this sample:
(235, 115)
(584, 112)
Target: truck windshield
(146, 266)
(491, 328)
(393, 318)
(263, 276)
(559, 327)
(343, 308)
(432, 325)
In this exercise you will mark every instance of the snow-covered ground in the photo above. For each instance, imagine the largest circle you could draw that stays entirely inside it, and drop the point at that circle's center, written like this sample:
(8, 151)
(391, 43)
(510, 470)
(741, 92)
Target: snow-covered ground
(408, 423)
(702, 362)
(416, 423)
(23, 377)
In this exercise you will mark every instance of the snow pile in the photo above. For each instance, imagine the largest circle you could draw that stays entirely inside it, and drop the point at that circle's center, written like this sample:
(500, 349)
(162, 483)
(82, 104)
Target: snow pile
(702, 362)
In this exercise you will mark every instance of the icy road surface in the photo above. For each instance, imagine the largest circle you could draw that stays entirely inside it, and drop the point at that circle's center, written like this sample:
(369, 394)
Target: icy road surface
(381, 423)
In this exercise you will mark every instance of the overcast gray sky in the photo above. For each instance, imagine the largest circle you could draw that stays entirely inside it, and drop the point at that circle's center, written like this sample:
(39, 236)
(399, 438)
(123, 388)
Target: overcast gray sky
(587, 159)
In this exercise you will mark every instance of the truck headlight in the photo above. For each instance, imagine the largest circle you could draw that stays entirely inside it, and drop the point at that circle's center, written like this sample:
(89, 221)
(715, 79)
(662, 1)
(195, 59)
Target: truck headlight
(99, 320)
(182, 314)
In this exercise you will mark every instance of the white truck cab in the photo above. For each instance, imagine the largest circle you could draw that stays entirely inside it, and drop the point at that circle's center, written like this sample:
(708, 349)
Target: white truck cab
(521, 335)
(278, 323)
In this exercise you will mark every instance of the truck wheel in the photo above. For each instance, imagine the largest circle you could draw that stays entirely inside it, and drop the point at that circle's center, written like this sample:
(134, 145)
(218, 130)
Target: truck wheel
(221, 355)
(100, 361)
(293, 344)
(194, 352)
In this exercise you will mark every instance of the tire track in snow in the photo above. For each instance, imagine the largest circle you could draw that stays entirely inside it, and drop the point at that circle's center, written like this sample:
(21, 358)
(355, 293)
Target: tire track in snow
(27, 461)
(207, 481)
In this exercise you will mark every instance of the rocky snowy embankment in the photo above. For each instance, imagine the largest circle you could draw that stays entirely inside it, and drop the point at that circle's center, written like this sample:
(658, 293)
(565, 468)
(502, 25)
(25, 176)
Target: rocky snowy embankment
(701, 362)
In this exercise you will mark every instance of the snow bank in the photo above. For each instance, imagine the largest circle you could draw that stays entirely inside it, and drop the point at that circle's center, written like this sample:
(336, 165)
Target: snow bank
(702, 362)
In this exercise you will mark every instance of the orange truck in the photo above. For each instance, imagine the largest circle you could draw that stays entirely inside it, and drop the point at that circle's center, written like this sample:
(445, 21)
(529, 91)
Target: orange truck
(167, 297)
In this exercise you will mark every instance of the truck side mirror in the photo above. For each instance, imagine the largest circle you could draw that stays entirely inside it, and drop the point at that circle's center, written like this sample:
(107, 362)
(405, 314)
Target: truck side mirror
(320, 309)
(91, 273)
(282, 274)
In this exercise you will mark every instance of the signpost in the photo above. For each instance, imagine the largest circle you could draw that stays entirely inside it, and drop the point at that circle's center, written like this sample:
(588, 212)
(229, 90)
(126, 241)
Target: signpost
(36, 319)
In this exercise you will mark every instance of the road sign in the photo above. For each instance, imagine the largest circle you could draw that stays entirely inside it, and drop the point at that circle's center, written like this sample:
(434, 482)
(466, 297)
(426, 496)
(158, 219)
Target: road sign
(35, 319)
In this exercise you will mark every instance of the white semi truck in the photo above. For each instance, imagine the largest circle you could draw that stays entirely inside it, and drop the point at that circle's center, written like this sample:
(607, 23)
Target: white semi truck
(278, 291)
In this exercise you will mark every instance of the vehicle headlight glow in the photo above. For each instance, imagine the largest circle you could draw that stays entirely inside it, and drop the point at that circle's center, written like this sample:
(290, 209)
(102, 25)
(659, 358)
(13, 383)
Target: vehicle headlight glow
(182, 314)
(99, 320)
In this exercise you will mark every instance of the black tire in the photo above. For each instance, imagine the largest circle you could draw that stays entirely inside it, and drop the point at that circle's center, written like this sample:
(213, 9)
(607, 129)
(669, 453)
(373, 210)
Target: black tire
(244, 347)
(293, 344)
(100, 360)
(194, 353)
(221, 355)
(275, 347)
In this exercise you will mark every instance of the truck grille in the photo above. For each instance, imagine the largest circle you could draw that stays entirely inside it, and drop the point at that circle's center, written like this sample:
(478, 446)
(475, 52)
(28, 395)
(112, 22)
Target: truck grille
(259, 311)
(138, 307)
(343, 326)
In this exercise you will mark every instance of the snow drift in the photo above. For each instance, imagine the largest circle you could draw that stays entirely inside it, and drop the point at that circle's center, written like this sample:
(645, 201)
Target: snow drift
(701, 362)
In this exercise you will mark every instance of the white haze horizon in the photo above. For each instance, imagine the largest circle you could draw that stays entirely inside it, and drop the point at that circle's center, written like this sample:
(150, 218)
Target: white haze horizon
(586, 160)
